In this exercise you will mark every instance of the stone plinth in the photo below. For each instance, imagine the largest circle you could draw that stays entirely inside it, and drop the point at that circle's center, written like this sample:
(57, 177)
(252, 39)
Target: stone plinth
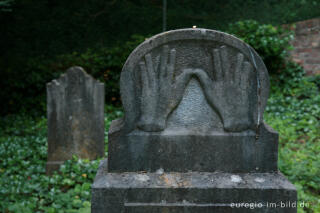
(196, 192)
(183, 151)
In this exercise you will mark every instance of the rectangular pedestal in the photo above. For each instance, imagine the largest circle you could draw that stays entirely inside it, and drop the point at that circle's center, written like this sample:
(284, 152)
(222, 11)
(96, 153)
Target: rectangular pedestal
(181, 151)
(194, 192)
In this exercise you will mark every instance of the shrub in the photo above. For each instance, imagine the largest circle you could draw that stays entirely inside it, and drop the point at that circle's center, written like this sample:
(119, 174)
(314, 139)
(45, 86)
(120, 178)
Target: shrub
(271, 42)
(24, 86)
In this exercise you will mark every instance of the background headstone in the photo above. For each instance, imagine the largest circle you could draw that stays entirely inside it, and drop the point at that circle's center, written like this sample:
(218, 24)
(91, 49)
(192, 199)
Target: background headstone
(75, 111)
(193, 137)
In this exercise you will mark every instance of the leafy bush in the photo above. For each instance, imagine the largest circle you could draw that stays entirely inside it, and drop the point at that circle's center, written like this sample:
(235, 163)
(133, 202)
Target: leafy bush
(24, 86)
(5, 5)
(104, 64)
(271, 42)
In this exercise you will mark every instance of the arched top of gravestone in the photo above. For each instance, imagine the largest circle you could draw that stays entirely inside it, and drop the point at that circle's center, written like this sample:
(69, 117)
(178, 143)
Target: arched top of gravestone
(232, 77)
(73, 76)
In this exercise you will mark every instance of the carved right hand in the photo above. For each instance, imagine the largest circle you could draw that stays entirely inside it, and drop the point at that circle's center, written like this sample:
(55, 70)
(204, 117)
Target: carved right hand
(228, 92)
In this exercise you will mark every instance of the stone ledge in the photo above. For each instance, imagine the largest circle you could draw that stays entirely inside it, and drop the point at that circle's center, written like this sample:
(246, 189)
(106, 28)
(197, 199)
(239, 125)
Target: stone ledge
(191, 191)
(162, 179)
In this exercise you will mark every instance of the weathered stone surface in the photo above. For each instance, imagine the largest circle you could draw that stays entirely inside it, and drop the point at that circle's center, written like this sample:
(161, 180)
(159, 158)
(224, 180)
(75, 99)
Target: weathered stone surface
(193, 137)
(182, 151)
(75, 111)
(195, 192)
(196, 97)
(230, 74)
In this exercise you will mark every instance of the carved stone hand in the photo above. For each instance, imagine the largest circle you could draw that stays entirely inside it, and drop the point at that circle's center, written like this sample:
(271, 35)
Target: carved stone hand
(161, 91)
(228, 92)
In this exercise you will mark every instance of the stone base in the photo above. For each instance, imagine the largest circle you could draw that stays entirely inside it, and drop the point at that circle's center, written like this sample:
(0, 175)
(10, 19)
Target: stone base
(183, 151)
(53, 166)
(192, 192)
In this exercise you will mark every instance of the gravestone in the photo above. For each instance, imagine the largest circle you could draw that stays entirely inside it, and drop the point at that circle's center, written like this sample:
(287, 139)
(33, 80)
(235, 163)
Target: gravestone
(75, 111)
(193, 137)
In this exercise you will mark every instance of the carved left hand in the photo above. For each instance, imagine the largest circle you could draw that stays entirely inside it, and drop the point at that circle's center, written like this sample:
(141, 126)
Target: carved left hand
(161, 92)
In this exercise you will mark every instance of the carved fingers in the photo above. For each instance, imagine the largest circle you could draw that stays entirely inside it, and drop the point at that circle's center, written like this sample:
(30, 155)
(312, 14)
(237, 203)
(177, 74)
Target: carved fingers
(245, 77)
(238, 68)
(157, 82)
(225, 62)
(222, 65)
(150, 72)
(144, 74)
(223, 71)
(164, 62)
(167, 64)
(171, 65)
(242, 73)
(147, 73)
(217, 65)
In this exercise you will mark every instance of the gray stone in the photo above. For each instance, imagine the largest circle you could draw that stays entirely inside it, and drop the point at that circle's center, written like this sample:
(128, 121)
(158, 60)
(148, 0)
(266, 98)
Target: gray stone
(196, 192)
(75, 111)
(182, 151)
(224, 66)
(191, 96)
(193, 137)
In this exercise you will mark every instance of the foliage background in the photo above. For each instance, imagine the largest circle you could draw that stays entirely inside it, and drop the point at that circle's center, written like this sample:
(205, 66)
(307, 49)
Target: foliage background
(40, 39)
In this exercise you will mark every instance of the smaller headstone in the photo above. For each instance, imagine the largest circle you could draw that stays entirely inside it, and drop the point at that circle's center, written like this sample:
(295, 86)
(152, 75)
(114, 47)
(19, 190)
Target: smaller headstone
(75, 111)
